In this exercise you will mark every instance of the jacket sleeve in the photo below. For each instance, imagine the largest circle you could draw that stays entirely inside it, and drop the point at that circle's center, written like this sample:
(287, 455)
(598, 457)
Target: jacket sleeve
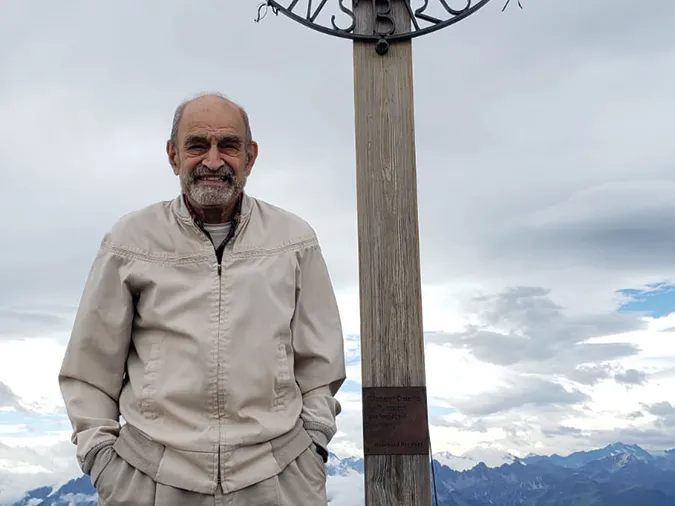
(93, 367)
(318, 347)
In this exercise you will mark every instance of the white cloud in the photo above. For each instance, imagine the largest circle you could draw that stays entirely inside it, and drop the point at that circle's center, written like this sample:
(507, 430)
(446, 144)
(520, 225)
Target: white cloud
(36, 463)
(30, 368)
(12, 429)
(346, 490)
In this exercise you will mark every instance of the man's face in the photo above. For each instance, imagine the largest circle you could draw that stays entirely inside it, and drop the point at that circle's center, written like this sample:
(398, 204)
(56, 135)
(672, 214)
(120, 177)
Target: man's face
(211, 157)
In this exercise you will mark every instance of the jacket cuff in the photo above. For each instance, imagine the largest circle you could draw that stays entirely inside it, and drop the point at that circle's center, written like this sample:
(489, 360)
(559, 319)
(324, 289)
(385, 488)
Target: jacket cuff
(92, 456)
(319, 437)
(103, 458)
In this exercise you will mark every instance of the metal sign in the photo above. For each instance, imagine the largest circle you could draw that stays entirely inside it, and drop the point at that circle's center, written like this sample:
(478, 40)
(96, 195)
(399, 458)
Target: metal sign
(337, 18)
(395, 421)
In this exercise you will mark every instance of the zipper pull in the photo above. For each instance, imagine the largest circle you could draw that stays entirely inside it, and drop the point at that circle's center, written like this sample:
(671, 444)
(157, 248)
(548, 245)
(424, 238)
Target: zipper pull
(220, 270)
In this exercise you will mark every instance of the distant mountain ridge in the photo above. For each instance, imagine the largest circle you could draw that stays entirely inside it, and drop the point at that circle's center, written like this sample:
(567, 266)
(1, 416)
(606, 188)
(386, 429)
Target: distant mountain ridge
(616, 475)
(579, 459)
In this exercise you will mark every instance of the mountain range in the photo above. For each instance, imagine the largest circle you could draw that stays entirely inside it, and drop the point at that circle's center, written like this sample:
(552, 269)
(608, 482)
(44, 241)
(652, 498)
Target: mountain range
(616, 475)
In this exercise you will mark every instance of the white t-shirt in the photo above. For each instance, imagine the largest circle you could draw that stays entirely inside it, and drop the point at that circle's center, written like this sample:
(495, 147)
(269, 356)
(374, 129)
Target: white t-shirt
(218, 232)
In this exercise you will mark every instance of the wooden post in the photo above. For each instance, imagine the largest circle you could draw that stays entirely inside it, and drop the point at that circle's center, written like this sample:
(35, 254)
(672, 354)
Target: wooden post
(396, 437)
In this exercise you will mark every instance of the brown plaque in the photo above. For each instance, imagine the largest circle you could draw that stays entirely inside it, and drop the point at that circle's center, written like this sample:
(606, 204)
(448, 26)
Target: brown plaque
(395, 421)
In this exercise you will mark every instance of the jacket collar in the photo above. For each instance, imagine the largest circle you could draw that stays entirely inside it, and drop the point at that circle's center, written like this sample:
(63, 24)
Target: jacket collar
(184, 209)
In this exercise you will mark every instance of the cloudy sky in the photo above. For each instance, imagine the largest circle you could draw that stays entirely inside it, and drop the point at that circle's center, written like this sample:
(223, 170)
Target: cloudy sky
(546, 178)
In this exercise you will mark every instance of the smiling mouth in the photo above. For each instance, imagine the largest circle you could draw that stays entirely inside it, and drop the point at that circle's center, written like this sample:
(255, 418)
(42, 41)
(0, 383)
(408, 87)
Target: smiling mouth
(214, 180)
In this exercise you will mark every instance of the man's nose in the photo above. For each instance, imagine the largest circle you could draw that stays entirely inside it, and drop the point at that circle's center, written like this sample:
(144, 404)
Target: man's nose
(213, 159)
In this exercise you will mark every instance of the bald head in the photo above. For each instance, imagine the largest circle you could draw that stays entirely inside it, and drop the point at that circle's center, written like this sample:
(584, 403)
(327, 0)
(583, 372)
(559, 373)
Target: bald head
(207, 99)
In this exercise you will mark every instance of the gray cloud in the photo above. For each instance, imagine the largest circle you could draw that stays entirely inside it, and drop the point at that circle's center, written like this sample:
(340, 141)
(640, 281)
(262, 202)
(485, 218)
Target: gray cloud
(663, 408)
(16, 323)
(522, 327)
(8, 399)
(476, 425)
(523, 391)
(649, 438)
(589, 375)
(563, 430)
(635, 415)
(664, 412)
(631, 377)
(623, 225)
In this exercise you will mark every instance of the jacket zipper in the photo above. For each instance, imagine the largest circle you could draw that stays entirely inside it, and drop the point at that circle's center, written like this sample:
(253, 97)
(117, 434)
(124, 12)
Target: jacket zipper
(219, 257)
(220, 298)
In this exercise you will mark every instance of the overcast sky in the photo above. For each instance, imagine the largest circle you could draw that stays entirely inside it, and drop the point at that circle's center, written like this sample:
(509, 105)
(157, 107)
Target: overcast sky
(546, 176)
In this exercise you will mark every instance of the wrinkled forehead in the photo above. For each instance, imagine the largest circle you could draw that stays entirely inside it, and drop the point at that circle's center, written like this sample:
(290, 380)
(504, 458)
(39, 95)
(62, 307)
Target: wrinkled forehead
(211, 116)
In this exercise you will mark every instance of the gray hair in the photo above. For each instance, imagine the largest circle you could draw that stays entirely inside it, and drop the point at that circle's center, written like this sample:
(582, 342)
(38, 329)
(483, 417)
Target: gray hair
(178, 115)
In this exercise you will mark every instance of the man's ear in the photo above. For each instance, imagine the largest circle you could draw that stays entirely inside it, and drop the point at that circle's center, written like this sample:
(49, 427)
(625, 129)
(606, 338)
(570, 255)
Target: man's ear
(252, 156)
(172, 153)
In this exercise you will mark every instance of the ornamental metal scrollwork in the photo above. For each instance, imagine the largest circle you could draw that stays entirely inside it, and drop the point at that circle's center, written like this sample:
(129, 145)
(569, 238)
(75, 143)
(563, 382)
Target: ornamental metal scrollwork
(337, 17)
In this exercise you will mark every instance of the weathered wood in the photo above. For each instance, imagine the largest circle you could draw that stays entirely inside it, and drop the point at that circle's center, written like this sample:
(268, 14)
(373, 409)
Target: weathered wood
(392, 343)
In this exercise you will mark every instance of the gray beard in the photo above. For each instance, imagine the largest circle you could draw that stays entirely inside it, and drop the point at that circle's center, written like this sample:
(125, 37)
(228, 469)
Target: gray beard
(208, 196)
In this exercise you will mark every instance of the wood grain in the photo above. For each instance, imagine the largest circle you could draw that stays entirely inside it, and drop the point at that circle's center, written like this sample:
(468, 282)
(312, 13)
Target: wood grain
(392, 342)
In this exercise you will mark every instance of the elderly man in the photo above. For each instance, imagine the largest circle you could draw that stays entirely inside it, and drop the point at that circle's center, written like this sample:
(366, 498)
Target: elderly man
(209, 323)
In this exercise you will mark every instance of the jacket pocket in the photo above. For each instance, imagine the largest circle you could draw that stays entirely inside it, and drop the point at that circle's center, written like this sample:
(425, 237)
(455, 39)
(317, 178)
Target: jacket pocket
(312, 466)
(148, 402)
(283, 376)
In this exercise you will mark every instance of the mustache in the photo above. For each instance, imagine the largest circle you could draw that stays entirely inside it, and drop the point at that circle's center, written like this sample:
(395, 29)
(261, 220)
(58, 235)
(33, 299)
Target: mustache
(225, 172)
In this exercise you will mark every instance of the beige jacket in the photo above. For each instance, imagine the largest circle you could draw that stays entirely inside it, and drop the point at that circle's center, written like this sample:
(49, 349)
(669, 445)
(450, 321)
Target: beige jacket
(224, 371)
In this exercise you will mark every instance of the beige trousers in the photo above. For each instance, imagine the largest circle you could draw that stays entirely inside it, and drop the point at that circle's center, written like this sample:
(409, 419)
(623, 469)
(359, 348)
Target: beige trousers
(301, 483)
